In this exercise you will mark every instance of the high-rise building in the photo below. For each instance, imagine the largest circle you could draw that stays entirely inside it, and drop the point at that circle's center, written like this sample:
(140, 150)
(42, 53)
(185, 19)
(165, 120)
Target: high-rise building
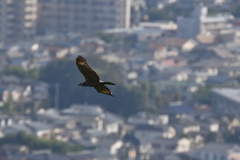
(83, 16)
(17, 20)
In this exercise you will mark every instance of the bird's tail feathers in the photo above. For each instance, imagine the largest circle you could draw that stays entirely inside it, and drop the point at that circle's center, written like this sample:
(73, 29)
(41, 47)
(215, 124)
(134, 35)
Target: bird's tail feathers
(110, 83)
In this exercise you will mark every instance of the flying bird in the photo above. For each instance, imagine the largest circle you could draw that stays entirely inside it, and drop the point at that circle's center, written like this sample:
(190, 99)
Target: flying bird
(91, 77)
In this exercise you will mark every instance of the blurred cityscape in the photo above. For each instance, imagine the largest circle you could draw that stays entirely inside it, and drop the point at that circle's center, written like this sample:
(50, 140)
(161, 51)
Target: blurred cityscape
(176, 64)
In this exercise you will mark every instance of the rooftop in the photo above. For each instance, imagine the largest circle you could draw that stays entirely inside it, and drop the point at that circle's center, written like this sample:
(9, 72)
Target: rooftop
(220, 147)
(135, 30)
(230, 93)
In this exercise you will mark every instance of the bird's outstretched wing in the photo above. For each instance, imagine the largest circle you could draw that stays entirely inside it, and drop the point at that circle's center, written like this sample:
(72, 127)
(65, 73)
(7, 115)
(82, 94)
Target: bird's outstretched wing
(85, 69)
(101, 88)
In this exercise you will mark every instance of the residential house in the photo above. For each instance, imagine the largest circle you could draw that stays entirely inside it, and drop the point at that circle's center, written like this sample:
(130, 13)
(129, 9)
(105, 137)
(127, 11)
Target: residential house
(197, 139)
(210, 125)
(184, 45)
(183, 145)
(229, 122)
(9, 79)
(153, 132)
(46, 155)
(181, 44)
(91, 45)
(217, 151)
(40, 90)
(215, 57)
(176, 61)
(222, 81)
(179, 108)
(158, 147)
(229, 71)
(21, 119)
(84, 109)
(87, 116)
(99, 154)
(111, 123)
(90, 138)
(6, 121)
(15, 92)
(51, 116)
(183, 125)
(198, 77)
(128, 151)
(94, 117)
(13, 152)
(4, 95)
(179, 74)
(111, 144)
(162, 52)
(41, 129)
(66, 135)
(147, 118)
(223, 53)
(149, 148)
(16, 128)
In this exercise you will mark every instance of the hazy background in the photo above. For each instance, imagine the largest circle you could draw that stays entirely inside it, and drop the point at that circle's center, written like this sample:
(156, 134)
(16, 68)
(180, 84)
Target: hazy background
(176, 65)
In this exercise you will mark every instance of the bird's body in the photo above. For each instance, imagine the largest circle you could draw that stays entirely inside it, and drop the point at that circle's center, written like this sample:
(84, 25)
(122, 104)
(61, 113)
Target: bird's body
(91, 77)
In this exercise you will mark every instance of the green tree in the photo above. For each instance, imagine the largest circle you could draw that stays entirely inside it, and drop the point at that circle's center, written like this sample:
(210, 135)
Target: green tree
(164, 98)
(211, 137)
(15, 70)
(232, 137)
(20, 72)
(8, 107)
(203, 94)
(34, 142)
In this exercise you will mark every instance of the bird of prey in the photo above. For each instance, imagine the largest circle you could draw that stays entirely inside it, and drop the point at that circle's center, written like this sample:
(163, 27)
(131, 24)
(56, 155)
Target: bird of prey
(91, 77)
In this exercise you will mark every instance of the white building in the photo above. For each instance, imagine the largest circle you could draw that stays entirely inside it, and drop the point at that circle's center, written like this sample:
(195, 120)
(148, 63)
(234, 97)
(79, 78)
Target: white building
(165, 25)
(17, 19)
(200, 23)
(84, 16)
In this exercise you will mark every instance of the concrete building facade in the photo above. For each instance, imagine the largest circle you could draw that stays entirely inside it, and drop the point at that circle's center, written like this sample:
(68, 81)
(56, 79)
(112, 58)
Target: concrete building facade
(200, 23)
(17, 20)
(83, 16)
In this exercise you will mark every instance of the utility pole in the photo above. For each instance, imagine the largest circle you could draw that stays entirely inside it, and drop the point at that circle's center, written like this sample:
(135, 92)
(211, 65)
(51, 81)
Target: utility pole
(57, 96)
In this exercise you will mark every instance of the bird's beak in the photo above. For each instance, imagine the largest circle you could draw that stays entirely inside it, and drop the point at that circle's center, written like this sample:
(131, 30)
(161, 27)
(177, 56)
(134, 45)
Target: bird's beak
(81, 84)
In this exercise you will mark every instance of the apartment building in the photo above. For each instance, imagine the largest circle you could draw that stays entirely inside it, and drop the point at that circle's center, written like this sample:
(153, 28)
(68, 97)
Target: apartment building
(17, 20)
(83, 16)
(200, 23)
(226, 100)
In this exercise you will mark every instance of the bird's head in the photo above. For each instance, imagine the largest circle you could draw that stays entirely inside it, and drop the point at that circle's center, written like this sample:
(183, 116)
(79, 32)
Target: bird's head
(81, 84)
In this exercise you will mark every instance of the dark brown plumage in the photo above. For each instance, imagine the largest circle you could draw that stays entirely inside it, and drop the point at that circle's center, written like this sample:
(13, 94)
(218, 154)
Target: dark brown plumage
(91, 77)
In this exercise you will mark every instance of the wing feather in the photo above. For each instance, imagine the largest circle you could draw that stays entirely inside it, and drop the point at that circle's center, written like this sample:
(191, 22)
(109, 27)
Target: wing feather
(101, 88)
(85, 69)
